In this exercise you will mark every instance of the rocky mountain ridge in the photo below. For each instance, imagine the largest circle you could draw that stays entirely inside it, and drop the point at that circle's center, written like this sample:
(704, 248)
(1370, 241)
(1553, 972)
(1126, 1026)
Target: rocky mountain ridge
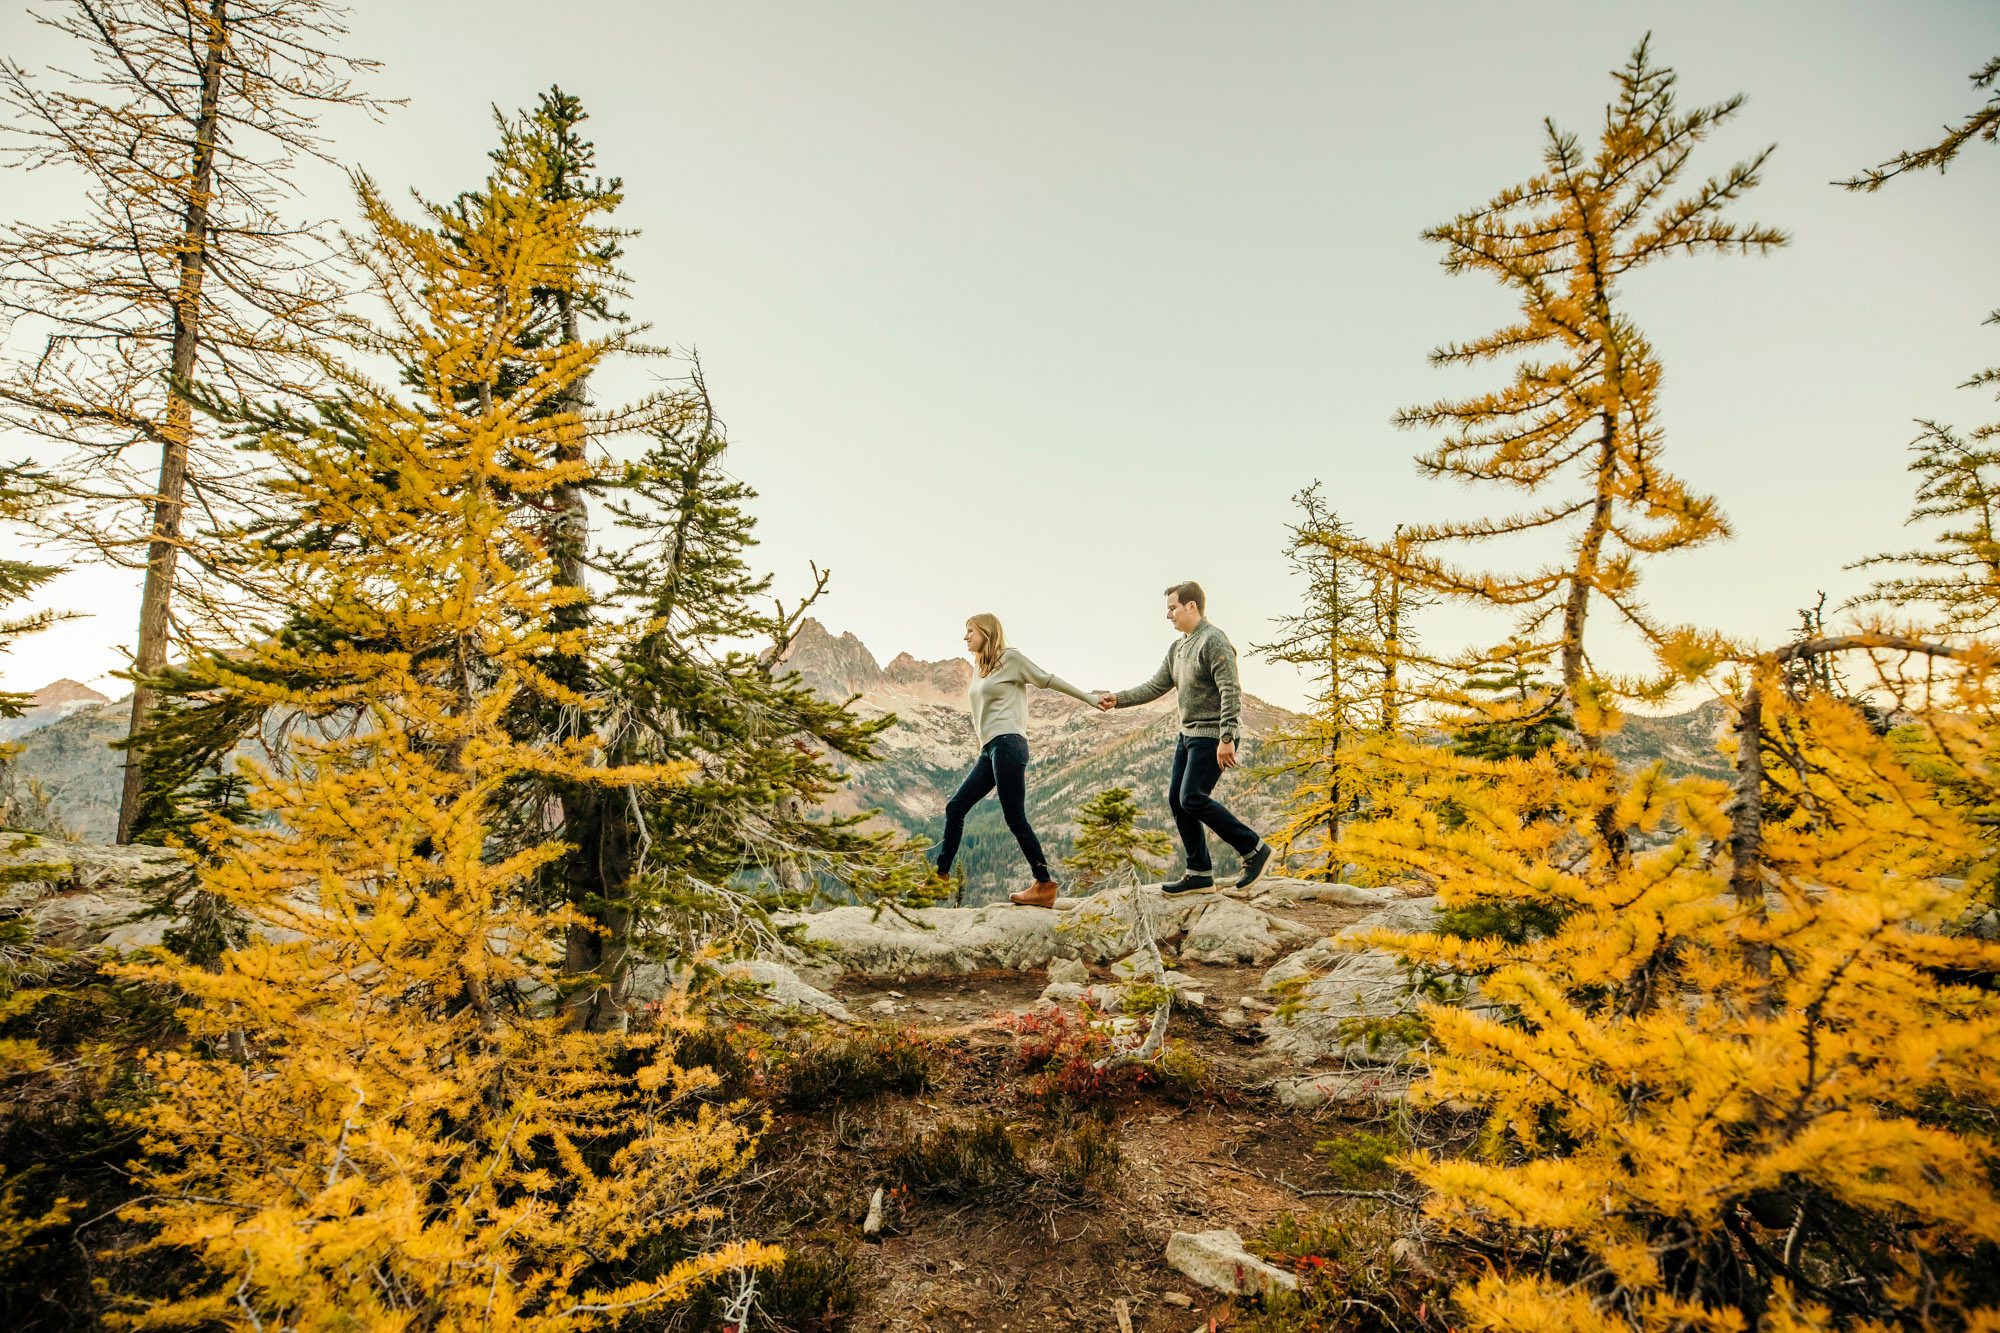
(65, 756)
(51, 703)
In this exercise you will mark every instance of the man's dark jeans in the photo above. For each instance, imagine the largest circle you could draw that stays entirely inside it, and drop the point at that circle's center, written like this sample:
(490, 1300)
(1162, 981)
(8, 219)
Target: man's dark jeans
(1195, 776)
(1002, 763)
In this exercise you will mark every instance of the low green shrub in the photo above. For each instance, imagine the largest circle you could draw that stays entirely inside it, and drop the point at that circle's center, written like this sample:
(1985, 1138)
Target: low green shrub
(984, 1159)
(1065, 1057)
(811, 1069)
(850, 1067)
(969, 1161)
(1358, 1159)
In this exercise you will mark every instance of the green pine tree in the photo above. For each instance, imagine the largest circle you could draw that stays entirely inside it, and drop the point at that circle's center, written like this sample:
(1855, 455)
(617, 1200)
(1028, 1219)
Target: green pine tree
(1509, 709)
(699, 681)
(1353, 640)
(21, 488)
(1110, 843)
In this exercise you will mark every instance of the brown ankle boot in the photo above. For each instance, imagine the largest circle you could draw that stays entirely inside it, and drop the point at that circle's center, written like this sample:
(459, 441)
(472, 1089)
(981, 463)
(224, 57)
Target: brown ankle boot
(1042, 895)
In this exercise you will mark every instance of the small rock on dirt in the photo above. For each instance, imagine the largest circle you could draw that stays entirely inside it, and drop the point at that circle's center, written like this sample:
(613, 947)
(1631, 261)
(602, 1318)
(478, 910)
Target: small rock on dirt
(1218, 1261)
(1065, 993)
(1068, 969)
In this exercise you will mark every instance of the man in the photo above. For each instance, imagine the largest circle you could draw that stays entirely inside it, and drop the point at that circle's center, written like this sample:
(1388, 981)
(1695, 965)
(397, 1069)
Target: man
(1202, 668)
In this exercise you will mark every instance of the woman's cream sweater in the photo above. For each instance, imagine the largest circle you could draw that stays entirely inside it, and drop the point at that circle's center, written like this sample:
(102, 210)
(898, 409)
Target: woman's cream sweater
(1000, 701)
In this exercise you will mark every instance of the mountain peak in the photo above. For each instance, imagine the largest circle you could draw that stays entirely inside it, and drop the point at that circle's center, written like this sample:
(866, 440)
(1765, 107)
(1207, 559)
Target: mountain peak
(952, 676)
(834, 668)
(66, 691)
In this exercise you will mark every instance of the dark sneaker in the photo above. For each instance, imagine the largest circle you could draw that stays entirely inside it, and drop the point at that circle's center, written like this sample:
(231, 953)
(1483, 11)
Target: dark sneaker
(1253, 865)
(1189, 882)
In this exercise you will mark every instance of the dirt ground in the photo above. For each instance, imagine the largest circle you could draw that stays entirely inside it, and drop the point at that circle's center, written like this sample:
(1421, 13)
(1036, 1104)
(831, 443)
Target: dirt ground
(1231, 1156)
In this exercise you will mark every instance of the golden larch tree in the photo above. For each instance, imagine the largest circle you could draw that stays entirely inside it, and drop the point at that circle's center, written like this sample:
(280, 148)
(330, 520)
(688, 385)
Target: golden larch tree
(1737, 1091)
(1738, 1071)
(1577, 431)
(380, 1119)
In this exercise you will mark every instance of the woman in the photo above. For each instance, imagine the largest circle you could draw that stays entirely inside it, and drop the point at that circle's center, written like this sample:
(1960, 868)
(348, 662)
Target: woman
(1000, 718)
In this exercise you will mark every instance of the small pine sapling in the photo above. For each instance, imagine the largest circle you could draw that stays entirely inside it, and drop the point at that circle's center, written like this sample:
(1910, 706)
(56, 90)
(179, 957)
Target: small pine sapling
(1111, 847)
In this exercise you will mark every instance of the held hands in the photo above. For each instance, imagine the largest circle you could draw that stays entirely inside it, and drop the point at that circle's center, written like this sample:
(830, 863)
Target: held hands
(1225, 754)
(1106, 702)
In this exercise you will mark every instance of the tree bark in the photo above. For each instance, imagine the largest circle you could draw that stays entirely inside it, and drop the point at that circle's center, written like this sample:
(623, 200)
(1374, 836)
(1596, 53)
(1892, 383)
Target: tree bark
(163, 555)
(1589, 551)
(597, 874)
(1746, 841)
(1392, 654)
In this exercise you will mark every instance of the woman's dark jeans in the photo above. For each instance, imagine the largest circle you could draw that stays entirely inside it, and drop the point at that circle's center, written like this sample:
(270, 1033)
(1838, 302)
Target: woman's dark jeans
(1195, 776)
(1002, 763)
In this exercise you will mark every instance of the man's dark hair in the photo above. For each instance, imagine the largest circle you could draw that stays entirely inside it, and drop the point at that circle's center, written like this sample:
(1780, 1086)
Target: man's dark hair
(1190, 592)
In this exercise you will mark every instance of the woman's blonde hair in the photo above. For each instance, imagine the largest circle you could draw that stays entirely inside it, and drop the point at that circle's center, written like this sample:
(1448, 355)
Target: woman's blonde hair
(996, 640)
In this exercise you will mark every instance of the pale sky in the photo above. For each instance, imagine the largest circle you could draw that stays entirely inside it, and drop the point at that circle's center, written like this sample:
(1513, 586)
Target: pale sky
(1034, 308)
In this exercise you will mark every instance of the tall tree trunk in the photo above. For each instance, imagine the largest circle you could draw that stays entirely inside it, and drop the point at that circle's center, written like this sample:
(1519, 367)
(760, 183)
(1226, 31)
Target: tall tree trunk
(1392, 652)
(596, 875)
(1333, 810)
(162, 556)
(1746, 840)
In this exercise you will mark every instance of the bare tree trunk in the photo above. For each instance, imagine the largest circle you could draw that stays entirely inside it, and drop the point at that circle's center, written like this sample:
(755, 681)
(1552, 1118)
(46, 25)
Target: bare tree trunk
(1333, 810)
(162, 556)
(1392, 653)
(1746, 838)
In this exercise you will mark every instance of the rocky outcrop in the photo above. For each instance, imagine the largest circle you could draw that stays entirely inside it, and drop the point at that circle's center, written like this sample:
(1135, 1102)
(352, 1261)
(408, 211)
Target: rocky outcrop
(1272, 891)
(778, 985)
(1235, 933)
(1349, 996)
(943, 941)
(79, 895)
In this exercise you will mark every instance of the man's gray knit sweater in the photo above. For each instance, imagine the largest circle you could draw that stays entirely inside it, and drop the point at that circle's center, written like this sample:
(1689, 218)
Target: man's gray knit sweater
(1202, 667)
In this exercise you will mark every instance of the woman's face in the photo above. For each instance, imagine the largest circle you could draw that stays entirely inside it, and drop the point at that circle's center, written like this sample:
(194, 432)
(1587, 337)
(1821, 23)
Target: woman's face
(975, 638)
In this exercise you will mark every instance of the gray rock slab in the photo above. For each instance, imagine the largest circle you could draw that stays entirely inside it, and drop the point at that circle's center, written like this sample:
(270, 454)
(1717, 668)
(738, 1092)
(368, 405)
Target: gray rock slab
(1273, 890)
(1218, 1261)
(1315, 957)
(1406, 916)
(785, 989)
(80, 920)
(1354, 988)
(945, 941)
(77, 895)
(1311, 1090)
(1068, 969)
(781, 987)
(31, 867)
(1068, 994)
(1349, 989)
(1233, 933)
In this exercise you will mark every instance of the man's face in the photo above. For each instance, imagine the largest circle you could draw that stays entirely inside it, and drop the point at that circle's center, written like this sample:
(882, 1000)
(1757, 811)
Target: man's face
(1185, 615)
